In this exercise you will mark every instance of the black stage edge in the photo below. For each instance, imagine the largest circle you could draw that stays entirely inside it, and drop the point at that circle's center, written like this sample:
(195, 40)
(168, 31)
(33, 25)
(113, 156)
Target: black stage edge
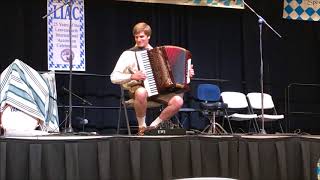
(261, 157)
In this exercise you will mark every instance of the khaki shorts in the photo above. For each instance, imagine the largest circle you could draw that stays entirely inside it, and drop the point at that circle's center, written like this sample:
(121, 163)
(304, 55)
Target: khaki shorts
(161, 98)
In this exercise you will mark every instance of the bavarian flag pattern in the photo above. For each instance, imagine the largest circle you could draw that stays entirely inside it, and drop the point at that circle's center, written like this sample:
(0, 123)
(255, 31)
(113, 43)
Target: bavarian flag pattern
(236, 4)
(308, 10)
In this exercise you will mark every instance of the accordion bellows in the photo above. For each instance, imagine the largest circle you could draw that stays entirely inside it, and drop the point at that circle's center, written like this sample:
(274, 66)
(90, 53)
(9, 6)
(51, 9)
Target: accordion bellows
(169, 65)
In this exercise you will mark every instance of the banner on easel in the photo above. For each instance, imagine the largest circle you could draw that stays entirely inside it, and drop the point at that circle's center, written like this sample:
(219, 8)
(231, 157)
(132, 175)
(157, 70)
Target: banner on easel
(237, 4)
(307, 10)
(58, 23)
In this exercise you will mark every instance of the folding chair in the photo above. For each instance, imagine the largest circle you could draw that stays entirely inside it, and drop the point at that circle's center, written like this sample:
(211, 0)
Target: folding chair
(238, 108)
(270, 114)
(128, 103)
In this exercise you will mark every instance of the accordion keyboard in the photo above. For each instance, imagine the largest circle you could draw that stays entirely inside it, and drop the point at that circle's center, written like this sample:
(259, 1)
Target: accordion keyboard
(144, 65)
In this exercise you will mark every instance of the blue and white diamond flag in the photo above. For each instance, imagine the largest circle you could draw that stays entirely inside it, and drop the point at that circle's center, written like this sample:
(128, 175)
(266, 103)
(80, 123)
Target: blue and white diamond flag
(308, 10)
(237, 4)
(59, 53)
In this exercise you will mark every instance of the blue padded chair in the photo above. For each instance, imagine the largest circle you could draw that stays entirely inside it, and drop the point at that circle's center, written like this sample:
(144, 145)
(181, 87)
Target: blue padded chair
(211, 106)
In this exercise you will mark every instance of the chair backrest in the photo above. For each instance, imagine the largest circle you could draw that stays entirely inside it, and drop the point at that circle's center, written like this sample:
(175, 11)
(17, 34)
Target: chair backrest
(255, 100)
(208, 92)
(234, 99)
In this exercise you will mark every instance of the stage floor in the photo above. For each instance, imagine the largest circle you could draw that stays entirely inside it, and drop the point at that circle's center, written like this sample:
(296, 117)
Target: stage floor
(240, 156)
(88, 136)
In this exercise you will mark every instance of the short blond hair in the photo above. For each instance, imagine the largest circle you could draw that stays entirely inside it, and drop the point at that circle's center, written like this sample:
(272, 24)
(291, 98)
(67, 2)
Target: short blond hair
(142, 27)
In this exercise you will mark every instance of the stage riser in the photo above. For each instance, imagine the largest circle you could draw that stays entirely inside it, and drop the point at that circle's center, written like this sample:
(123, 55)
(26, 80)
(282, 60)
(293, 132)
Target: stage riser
(124, 157)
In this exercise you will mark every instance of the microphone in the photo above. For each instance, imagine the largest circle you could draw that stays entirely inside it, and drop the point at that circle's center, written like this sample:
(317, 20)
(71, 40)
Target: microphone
(82, 121)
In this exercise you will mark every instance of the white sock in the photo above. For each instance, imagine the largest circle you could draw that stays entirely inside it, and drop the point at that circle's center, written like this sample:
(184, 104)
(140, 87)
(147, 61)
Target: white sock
(156, 122)
(142, 121)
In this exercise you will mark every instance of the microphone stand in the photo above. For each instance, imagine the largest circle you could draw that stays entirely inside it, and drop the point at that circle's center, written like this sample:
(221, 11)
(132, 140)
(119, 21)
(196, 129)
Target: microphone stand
(261, 21)
(84, 102)
(70, 4)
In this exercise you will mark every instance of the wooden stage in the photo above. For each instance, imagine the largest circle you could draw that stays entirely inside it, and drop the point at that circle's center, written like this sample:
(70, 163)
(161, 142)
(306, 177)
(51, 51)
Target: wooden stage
(244, 157)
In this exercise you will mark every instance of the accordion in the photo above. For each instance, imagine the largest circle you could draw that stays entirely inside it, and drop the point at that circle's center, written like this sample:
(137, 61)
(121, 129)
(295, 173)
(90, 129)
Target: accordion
(166, 68)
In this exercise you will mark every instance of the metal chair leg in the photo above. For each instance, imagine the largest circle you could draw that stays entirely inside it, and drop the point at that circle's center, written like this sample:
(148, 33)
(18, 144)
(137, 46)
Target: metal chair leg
(214, 127)
(119, 115)
(127, 119)
(124, 106)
